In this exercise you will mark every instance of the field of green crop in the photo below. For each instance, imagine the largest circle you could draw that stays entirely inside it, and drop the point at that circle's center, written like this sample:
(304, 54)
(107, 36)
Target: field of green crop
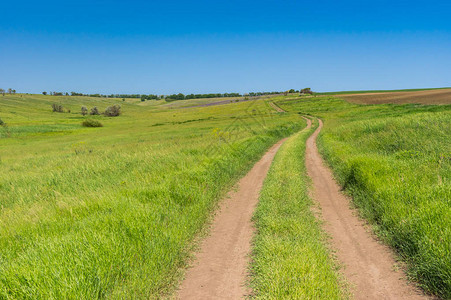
(291, 259)
(112, 212)
(395, 160)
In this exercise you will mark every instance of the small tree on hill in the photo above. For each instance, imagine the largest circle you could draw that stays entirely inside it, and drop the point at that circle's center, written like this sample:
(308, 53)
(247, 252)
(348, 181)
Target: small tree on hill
(113, 111)
(306, 91)
(2, 91)
(44, 93)
(57, 108)
(94, 111)
(84, 110)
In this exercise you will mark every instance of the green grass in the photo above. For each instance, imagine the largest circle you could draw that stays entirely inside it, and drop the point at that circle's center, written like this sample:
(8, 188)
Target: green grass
(395, 160)
(112, 212)
(291, 259)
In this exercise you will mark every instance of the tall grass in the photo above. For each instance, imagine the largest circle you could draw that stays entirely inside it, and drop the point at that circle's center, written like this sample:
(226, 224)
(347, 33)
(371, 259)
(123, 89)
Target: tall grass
(395, 160)
(112, 212)
(290, 259)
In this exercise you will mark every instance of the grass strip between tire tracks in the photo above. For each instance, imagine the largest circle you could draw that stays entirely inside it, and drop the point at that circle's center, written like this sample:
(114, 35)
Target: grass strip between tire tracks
(290, 257)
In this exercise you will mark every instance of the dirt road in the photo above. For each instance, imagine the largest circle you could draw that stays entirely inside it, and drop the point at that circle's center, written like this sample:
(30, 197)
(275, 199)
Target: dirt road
(220, 268)
(277, 108)
(368, 265)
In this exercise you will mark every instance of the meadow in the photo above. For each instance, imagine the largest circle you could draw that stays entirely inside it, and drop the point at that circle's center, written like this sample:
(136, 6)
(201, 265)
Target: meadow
(395, 162)
(114, 211)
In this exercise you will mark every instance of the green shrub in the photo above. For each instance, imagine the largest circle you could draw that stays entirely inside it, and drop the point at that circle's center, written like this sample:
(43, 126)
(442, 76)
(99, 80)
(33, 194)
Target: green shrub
(94, 111)
(57, 108)
(113, 111)
(91, 123)
(84, 110)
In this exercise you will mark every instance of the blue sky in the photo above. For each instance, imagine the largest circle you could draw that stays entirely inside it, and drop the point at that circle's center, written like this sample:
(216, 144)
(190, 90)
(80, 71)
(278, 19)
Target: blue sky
(166, 47)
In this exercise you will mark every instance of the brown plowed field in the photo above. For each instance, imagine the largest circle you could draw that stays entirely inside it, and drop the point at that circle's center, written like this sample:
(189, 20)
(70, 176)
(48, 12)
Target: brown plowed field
(441, 96)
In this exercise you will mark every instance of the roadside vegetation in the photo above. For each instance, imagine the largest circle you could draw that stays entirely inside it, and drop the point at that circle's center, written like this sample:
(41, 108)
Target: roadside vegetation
(395, 161)
(290, 258)
(113, 212)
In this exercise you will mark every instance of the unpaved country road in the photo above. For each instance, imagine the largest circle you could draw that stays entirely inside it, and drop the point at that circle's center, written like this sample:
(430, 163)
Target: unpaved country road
(368, 265)
(220, 268)
(278, 109)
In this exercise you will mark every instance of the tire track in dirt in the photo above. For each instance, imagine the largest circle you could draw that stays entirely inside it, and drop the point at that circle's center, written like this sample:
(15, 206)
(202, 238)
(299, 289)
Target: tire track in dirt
(368, 265)
(277, 108)
(220, 270)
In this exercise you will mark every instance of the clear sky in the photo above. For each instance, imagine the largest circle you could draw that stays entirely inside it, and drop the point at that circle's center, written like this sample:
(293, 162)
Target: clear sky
(196, 46)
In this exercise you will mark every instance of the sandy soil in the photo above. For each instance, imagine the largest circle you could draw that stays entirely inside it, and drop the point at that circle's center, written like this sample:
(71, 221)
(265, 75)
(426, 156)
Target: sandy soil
(368, 265)
(441, 96)
(220, 268)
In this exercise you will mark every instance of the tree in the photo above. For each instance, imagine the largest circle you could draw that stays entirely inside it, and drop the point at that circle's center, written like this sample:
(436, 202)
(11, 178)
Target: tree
(84, 110)
(2, 91)
(10, 91)
(291, 91)
(94, 111)
(57, 108)
(14, 91)
(113, 111)
(306, 91)
(178, 96)
(44, 93)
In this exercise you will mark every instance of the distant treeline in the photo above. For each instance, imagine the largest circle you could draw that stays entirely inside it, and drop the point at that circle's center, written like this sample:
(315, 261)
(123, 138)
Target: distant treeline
(107, 96)
(252, 94)
(181, 96)
(172, 97)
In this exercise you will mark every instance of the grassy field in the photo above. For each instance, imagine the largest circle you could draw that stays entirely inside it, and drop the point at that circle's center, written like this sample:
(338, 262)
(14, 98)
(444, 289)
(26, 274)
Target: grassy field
(291, 259)
(395, 160)
(112, 212)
